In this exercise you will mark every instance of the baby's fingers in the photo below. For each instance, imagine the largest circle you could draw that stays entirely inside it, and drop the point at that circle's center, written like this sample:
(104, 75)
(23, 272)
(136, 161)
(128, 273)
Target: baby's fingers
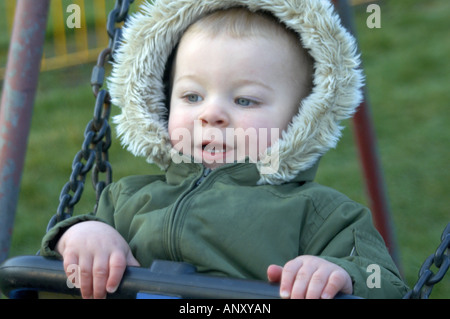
(274, 273)
(71, 269)
(317, 283)
(85, 269)
(117, 265)
(338, 281)
(100, 274)
(290, 277)
(302, 283)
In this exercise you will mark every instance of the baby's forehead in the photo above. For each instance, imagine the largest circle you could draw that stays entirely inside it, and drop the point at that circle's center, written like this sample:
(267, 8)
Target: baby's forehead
(283, 47)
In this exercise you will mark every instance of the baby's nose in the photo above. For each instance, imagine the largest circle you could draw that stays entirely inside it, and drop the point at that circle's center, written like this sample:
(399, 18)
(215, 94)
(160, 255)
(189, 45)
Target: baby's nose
(214, 114)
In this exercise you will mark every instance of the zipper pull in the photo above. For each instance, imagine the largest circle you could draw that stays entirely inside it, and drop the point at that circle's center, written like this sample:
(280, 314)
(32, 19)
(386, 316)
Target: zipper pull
(202, 178)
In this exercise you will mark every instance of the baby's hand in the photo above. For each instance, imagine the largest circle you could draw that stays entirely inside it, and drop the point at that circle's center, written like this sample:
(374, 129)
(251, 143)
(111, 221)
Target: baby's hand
(310, 277)
(101, 254)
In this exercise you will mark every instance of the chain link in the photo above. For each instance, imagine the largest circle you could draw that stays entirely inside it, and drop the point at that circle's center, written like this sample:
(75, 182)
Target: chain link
(427, 278)
(117, 16)
(97, 135)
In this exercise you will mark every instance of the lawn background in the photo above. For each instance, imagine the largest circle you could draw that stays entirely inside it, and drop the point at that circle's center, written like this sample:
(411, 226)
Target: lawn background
(407, 70)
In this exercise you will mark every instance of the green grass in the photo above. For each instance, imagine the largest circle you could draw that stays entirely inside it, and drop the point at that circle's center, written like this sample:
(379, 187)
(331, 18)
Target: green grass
(407, 69)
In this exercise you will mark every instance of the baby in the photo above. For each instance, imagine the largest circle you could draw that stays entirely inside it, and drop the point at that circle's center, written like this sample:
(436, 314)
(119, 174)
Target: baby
(237, 111)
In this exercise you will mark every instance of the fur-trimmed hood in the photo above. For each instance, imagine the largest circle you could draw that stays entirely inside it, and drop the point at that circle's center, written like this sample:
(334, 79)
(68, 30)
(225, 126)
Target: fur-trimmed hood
(149, 37)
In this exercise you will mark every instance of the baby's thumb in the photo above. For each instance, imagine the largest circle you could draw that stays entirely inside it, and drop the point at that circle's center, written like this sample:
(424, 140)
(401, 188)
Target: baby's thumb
(131, 261)
(274, 273)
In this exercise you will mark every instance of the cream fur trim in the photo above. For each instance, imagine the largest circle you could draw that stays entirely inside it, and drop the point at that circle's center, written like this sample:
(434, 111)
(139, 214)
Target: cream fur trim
(149, 37)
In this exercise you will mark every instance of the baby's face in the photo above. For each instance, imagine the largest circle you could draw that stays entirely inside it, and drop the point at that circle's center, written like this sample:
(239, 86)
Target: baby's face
(232, 98)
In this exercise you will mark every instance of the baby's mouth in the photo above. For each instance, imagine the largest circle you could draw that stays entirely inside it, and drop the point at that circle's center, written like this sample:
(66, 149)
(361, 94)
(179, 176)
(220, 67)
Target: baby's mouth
(214, 148)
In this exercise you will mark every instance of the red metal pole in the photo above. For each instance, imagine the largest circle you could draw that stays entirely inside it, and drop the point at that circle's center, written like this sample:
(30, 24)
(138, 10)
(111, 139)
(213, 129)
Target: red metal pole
(19, 87)
(365, 138)
(367, 147)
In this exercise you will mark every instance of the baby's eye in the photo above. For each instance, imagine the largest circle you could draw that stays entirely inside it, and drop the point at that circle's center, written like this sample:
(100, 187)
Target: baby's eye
(245, 102)
(192, 98)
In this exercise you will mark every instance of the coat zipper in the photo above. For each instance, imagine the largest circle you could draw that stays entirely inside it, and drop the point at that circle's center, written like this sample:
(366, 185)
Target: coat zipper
(206, 172)
(173, 227)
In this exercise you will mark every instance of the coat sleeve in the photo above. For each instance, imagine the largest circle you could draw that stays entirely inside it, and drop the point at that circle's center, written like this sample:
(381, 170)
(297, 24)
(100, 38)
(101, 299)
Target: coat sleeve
(112, 196)
(347, 237)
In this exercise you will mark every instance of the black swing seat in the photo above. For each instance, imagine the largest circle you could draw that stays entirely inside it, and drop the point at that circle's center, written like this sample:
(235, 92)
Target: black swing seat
(40, 277)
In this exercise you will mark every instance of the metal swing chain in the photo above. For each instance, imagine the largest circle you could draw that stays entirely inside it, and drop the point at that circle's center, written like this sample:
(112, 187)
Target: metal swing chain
(97, 136)
(427, 278)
